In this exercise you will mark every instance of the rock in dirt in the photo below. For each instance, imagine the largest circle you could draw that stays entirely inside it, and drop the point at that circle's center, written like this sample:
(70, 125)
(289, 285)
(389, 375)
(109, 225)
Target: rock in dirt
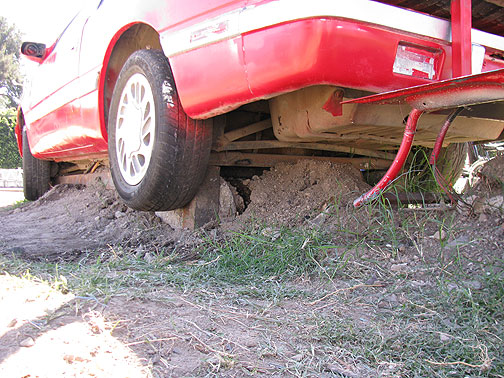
(251, 343)
(492, 173)
(439, 235)
(475, 285)
(12, 323)
(458, 242)
(171, 218)
(319, 220)
(271, 233)
(119, 214)
(399, 268)
(227, 203)
(27, 343)
(298, 357)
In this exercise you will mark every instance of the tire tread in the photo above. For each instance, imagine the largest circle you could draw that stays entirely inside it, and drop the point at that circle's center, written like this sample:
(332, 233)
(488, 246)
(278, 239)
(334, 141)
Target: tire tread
(180, 157)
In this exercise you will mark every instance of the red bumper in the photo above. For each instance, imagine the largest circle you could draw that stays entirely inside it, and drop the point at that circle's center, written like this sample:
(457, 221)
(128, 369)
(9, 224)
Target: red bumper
(289, 56)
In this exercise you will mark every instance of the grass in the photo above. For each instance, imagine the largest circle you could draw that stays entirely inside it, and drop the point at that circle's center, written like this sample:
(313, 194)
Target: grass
(264, 254)
(435, 333)
(429, 321)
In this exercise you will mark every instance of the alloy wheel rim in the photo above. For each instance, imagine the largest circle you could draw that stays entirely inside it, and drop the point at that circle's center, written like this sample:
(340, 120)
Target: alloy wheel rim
(135, 129)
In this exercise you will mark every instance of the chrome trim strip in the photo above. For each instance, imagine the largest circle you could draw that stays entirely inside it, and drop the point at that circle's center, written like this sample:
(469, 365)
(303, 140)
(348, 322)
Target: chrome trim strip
(254, 17)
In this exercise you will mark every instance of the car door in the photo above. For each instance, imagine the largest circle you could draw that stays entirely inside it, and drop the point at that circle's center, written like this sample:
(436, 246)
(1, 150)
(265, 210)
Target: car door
(53, 112)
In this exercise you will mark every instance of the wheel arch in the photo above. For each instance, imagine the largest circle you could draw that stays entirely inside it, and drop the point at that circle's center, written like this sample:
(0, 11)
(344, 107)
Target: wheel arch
(130, 38)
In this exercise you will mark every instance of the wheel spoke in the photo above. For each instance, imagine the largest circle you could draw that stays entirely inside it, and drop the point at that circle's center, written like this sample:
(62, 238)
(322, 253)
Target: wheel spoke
(145, 150)
(147, 127)
(121, 149)
(124, 163)
(144, 100)
(133, 91)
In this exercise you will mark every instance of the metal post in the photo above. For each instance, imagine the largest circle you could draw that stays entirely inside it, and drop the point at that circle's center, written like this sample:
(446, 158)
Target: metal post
(461, 25)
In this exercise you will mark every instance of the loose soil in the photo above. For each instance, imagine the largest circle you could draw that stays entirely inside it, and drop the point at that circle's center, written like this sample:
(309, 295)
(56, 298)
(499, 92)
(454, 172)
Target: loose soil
(172, 331)
(290, 194)
(70, 221)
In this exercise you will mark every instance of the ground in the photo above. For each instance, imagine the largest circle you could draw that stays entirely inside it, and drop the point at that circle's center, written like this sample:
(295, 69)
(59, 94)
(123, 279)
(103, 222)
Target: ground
(299, 284)
(9, 196)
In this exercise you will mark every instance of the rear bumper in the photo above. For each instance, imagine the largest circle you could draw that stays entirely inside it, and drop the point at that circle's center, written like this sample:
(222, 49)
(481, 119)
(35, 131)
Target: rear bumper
(251, 54)
(261, 14)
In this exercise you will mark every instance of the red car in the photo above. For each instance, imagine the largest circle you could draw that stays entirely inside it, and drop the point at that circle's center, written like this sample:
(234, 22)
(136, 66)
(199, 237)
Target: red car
(140, 85)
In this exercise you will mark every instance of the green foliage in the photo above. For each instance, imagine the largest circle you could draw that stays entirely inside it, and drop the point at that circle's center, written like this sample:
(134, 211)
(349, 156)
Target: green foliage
(420, 175)
(9, 154)
(264, 254)
(10, 77)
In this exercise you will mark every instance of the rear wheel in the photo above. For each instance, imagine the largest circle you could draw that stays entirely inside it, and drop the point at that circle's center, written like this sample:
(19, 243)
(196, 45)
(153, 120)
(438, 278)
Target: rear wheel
(451, 161)
(36, 173)
(158, 155)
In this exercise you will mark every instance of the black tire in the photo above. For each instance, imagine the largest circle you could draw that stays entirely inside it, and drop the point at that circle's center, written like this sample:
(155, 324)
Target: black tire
(36, 173)
(451, 161)
(180, 148)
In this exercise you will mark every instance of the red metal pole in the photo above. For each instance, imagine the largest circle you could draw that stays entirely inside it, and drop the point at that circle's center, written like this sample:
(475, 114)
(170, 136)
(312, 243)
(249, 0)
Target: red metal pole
(461, 25)
(440, 138)
(402, 154)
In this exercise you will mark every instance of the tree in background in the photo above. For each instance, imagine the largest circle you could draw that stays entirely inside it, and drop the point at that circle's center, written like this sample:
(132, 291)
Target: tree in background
(9, 155)
(10, 92)
(10, 76)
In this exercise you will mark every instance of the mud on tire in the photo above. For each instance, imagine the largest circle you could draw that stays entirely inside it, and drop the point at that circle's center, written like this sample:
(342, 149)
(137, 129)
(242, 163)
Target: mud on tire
(158, 155)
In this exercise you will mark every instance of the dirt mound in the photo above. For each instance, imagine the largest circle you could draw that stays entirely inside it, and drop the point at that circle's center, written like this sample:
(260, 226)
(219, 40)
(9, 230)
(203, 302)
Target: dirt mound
(71, 220)
(486, 196)
(492, 174)
(293, 193)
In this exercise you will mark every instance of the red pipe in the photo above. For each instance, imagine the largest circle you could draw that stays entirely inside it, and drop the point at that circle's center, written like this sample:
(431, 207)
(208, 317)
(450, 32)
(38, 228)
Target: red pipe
(440, 138)
(395, 168)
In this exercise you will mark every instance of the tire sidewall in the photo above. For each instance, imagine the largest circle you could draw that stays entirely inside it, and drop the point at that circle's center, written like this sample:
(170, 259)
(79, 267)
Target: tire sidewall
(36, 172)
(157, 75)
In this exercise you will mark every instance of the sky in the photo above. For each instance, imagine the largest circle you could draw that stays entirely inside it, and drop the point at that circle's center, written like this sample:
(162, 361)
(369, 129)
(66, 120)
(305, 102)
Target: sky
(40, 20)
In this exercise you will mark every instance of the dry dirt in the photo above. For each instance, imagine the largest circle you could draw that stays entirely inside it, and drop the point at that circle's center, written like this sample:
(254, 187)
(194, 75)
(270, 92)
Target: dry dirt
(291, 194)
(70, 221)
(173, 332)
